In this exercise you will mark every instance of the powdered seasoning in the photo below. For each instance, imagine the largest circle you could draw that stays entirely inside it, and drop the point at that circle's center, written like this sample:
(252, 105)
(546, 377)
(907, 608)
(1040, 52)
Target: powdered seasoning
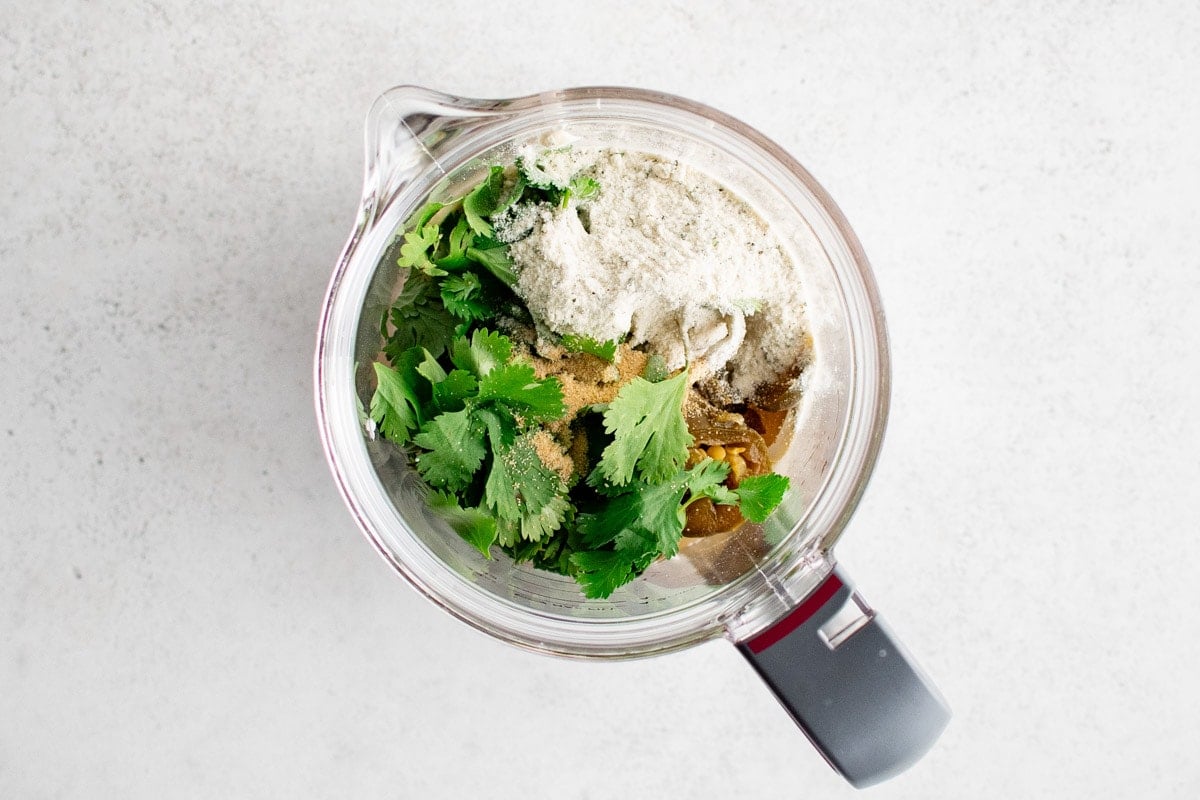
(669, 257)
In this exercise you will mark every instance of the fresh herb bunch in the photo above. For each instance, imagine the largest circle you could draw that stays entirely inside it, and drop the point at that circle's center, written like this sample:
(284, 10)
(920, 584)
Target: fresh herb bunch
(468, 409)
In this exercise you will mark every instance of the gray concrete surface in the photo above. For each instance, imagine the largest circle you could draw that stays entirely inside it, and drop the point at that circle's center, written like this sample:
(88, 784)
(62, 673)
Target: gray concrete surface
(186, 609)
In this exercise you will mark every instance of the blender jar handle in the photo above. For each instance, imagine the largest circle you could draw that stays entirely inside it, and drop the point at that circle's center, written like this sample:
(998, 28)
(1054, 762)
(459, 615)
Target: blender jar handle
(849, 684)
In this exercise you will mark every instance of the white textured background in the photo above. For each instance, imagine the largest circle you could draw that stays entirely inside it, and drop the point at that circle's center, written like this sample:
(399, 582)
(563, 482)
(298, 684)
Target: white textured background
(186, 609)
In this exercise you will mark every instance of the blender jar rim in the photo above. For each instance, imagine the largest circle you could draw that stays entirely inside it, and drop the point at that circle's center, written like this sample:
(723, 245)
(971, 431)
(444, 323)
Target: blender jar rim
(746, 604)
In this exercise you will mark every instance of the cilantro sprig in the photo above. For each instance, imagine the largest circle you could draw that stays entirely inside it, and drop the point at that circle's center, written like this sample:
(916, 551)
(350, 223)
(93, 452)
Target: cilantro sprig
(473, 425)
(650, 435)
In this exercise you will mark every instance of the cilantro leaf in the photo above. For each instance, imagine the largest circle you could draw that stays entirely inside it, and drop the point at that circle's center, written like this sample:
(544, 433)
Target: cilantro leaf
(454, 442)
(536, 525)
(524, 494)
(508, 530)
(477, 527)
(430, 369)
(602, 572)
(655, 370)
(494, 258)
(721, 495)
(707, 479)
(620, 513)
(552, 553)
(395, 406)
(511, 195)
(640, 545)
(655, 510)
(418, 247)
(451, 394)
(419, 318)
(484, 352)
(483, 201)
(662, 511)
(461, 237)
(663, 514)
(501, 427)
(425, 213)
(517, 386)
(760, 494)
(450, 391)
(499, 493)
(462, 295)
(581, 187)
(649, 431)
(584, 186)
(586, 344)
(533, 174)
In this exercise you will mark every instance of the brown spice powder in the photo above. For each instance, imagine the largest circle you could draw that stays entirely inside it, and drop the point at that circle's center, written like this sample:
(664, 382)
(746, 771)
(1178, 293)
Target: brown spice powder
(552, 454)
(578, 451)
(587, 380)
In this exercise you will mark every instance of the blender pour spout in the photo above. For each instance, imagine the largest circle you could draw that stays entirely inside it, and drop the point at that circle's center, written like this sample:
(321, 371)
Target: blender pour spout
(408, 131)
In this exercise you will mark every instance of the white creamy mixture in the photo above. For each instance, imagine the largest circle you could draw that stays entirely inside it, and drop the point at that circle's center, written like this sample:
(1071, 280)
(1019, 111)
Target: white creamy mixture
(667, 255)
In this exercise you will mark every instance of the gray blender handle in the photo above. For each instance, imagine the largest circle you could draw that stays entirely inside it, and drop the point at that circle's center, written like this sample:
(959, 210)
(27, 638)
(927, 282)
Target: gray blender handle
(849, 684)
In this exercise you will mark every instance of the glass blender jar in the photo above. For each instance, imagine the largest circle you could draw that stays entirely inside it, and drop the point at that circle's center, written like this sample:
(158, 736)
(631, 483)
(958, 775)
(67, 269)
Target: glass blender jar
(774, 590)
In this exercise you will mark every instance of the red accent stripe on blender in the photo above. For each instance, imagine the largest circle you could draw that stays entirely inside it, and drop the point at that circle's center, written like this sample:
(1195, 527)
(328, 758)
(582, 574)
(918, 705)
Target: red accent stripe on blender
(798, 616)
